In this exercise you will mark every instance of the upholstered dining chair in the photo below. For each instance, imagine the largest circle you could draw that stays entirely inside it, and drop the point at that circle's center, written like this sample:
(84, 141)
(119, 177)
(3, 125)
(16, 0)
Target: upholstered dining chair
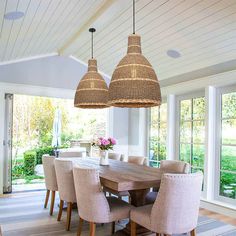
(176, 208)
(174, 166)
(93, 205)
(138, 160)
(71, 154)
(50, 180)
(114, 156)
(168, 166)
(66, 188)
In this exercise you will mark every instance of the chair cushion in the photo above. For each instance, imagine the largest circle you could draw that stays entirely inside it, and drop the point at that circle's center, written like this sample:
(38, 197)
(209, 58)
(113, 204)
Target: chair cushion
(151, 197)
(118, 209)
(142, 215)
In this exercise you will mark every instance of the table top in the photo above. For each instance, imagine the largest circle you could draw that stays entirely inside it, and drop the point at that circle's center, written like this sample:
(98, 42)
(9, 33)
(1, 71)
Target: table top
(122, 176)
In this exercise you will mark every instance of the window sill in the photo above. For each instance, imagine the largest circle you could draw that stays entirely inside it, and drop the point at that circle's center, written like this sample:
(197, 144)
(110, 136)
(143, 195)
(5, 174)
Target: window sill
(219, 207)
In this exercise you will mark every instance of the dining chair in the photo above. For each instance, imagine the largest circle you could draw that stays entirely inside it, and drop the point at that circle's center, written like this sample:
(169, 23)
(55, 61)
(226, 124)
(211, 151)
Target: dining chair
(114, 156)
(50, 180)
(176, 208)
(174, 166)
(71, 154)
(168, 166)
(138, 160)
(66, 188)
(93, 205)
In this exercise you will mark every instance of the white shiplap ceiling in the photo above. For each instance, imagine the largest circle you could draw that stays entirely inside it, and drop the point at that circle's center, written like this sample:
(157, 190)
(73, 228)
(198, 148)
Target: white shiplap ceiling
(203, 31)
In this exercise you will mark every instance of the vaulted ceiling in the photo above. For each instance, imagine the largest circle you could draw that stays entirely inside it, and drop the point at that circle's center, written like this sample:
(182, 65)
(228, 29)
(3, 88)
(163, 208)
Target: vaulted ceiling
(202, 31)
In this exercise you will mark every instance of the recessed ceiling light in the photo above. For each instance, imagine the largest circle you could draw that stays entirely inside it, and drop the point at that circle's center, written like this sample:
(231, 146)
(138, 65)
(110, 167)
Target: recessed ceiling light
(173, 53)
(14, 15)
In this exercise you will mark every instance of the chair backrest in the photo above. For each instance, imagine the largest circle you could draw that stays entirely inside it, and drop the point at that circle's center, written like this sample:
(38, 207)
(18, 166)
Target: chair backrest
(176, 208)
(114, 156)
(173, 166)
(138, 160)
(91, 201)
(49, 172)
(71, 154)
(65, 180)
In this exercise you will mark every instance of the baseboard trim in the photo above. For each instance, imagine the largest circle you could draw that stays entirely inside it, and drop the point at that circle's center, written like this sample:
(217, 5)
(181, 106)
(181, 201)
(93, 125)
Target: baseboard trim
(219, 208)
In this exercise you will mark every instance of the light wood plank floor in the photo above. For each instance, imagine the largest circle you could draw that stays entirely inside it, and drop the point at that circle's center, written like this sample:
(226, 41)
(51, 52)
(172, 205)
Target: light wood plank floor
(19, 207)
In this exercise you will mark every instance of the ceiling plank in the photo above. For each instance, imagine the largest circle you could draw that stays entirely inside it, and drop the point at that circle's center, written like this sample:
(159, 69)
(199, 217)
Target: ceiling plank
(100, 11)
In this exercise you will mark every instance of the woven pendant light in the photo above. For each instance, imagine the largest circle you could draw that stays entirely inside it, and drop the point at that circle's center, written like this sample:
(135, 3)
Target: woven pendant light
(92, 90)
(134, 82)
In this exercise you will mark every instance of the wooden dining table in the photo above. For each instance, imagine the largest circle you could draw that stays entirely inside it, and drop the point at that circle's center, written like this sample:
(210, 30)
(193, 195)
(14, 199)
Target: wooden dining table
(123, 176)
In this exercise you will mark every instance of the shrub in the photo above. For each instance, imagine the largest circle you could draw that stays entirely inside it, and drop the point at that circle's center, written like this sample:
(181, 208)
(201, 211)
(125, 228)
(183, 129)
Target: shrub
(29, 162)
(41, 151)
(18, 171)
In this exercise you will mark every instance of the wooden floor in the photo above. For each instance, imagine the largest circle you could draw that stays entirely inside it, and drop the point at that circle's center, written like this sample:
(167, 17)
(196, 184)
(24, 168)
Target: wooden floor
(22, 214)
(214, 215)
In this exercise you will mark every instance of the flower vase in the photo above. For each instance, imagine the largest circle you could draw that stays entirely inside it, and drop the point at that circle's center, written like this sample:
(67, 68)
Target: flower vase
(104, 161)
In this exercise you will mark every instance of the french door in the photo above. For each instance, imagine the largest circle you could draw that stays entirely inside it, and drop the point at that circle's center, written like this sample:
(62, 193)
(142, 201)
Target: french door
(7, 143)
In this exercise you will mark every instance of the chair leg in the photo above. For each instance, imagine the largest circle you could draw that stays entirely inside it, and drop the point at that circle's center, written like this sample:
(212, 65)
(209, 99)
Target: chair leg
(113, 227)
(60, 210)
(69, 208)
(133, 228)
(52, 202)
(92, 229)
(193, 232)
(80, 226)
(157, 234)
(46, 198)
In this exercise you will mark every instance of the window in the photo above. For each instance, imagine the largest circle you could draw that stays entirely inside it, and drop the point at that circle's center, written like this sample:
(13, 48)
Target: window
(157, 137)
(227, 173)
(192, 132)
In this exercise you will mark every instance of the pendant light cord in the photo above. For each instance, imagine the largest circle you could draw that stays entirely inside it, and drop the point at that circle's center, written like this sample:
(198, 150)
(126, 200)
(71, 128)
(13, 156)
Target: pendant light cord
(133, 16)
(92, 45)
(92, 30)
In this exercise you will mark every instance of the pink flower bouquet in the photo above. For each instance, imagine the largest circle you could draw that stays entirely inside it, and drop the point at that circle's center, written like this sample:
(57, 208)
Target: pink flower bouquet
(104, 144)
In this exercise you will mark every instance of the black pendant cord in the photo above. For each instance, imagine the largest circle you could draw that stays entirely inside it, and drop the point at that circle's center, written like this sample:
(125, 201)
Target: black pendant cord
(133, 16)
(92, 45)
(92, 30)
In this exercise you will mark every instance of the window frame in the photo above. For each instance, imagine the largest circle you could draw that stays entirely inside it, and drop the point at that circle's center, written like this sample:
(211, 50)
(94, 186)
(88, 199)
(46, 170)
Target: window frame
(196, 94)
(218, 141)
(164, 100)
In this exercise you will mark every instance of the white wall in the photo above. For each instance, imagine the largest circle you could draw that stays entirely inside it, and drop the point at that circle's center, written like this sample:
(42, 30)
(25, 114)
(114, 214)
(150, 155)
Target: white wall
(52, 71)
(138, 131)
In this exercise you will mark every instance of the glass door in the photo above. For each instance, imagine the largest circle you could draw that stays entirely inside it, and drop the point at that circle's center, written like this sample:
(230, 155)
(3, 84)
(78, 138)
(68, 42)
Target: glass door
(7, 180)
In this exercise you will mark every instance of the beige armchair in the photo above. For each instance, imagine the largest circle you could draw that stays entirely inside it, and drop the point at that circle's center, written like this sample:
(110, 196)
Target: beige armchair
(50, 180)
(66, 188)
(176, 208)
(168, 166)
(93, 206)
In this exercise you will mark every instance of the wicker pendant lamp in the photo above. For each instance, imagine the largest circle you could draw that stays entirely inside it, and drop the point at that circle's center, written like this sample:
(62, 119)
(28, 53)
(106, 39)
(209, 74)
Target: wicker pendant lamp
(92, 90)
(134, 82)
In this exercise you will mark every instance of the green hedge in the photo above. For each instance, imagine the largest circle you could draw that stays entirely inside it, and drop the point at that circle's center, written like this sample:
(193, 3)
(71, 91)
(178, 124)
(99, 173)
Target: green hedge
(18, 171)
(41, 151)
(29, 162)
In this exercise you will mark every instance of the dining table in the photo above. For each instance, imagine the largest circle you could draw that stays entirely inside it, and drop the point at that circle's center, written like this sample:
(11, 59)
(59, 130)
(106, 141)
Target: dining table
(121, 176)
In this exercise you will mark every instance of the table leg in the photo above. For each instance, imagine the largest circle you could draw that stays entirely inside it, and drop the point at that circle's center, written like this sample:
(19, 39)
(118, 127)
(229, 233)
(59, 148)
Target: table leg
(138, 197)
